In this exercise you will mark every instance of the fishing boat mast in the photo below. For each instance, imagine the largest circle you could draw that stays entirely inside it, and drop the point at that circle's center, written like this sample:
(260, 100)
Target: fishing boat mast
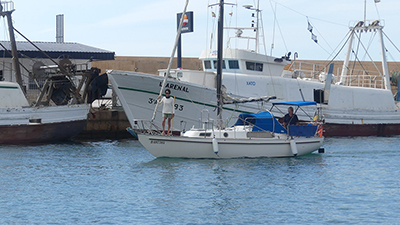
(367, 26)
(365, 11)
(257, 27)
(8, 7)
(356, 30)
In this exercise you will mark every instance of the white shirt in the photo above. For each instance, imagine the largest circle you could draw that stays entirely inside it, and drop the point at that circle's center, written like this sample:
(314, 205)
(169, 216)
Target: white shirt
(168, 106)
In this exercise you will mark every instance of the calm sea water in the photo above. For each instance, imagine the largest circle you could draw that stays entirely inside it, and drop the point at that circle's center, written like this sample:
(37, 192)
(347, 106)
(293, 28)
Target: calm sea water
(357, 181)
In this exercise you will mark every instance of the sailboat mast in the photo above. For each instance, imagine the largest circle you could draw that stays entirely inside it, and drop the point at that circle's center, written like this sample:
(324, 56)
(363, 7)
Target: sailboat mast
(219, 61)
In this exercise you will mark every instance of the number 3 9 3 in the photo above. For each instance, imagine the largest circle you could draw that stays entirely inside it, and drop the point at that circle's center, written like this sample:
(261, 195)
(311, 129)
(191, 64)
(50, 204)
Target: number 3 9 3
(176, 106)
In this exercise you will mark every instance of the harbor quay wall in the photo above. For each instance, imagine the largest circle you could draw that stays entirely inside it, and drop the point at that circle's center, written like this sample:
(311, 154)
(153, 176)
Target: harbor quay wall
(105, 124)
(149, 65)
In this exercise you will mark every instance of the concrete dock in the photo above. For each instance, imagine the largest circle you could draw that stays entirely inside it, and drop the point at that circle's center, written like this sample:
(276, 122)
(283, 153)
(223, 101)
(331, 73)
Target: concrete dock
(105, 124)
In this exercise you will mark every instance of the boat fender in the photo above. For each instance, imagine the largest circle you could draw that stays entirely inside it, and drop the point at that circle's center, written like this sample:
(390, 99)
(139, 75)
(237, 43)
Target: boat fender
(130, 130)
(215, 145)
(293, 147)
(320, 131)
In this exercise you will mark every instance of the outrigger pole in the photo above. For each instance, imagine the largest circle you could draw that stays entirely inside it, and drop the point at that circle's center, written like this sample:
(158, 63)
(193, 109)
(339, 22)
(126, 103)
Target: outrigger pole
(178, 34)
(14, 51)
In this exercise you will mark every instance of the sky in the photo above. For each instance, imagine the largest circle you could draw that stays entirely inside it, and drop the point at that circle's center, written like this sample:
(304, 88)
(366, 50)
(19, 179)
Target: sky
(148, 28)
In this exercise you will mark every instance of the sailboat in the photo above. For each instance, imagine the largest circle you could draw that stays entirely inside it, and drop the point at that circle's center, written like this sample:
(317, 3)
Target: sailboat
(253, 135)
(21, 123)
(248, 73)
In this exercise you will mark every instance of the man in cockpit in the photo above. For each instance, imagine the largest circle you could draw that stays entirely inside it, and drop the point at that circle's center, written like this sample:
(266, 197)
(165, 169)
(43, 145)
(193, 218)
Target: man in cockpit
(290, 118)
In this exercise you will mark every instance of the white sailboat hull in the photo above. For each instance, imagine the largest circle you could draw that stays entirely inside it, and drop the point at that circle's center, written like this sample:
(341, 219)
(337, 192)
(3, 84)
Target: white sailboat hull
(189, 147)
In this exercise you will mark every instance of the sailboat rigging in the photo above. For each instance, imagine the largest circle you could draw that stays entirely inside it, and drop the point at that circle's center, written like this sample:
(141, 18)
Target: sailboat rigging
(253, 135)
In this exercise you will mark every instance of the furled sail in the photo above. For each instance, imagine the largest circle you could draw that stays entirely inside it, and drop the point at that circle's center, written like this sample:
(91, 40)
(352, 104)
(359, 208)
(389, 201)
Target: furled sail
(227, 99)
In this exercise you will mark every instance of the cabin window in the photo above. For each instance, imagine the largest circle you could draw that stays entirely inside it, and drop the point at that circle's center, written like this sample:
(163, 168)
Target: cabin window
(254, 66)
(259, 67)
(1, 75)
(233, 64)
(207, 64)
(205, 134)
(215, 64)
(250, 65)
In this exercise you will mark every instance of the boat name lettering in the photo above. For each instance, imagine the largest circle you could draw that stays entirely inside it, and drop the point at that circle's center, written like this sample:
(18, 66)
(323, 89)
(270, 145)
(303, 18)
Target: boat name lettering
(252, 83)
(176, 87)
(158, 142)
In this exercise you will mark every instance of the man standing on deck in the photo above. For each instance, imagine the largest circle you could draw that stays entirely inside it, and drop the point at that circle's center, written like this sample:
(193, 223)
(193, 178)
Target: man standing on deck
(168, 109)
(290, 118)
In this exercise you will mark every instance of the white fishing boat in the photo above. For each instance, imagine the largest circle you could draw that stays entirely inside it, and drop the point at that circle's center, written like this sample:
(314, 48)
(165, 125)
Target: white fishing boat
(56, 116)
(22, 124)
(359, 104)
(253, 135)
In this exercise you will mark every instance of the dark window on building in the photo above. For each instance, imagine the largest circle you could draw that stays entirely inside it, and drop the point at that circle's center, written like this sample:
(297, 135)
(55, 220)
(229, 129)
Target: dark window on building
(233, 64)
(254, 66)
(223, 64)
(207, 64)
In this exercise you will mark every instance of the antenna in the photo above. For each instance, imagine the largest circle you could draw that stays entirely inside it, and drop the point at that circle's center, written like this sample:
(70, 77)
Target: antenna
(256, 29)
